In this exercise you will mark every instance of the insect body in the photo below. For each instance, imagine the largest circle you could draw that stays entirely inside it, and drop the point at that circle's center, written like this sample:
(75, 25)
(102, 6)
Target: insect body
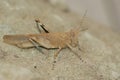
(46, 39)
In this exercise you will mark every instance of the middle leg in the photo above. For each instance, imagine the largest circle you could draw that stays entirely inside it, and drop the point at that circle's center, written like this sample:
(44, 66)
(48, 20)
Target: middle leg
(55, 56)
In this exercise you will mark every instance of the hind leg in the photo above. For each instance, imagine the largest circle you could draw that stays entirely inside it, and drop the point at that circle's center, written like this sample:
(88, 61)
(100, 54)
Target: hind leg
(36, 45)
(41, 26)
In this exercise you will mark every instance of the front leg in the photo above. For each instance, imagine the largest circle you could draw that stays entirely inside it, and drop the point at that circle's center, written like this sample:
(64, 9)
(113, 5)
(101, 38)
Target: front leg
(80, 48)
(75, 52)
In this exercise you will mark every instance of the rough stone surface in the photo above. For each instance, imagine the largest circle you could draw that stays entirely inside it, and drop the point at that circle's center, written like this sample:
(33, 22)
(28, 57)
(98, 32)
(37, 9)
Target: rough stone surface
(100, 44)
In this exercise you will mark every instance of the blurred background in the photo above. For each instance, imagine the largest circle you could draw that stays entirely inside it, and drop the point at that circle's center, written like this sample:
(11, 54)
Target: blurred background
(104, 11)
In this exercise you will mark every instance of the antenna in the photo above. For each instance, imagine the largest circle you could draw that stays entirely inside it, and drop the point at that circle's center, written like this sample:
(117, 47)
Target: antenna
(83, 20)
(83, 17)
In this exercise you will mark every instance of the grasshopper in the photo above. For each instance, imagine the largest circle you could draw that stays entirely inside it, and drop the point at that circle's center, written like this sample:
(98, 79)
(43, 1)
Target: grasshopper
(46, 39)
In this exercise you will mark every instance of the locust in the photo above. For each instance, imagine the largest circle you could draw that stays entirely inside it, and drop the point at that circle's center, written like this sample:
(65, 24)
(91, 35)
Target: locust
(47, 40)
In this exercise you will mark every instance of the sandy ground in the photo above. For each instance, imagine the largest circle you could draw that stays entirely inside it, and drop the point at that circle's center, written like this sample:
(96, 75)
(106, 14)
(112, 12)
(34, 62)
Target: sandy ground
(100, 45)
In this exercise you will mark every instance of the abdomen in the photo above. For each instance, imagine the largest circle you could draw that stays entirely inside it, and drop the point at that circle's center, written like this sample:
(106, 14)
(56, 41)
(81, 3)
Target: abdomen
(18, 40)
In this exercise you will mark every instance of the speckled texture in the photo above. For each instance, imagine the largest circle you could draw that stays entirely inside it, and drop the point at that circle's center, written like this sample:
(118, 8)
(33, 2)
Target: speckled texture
(100, 45)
